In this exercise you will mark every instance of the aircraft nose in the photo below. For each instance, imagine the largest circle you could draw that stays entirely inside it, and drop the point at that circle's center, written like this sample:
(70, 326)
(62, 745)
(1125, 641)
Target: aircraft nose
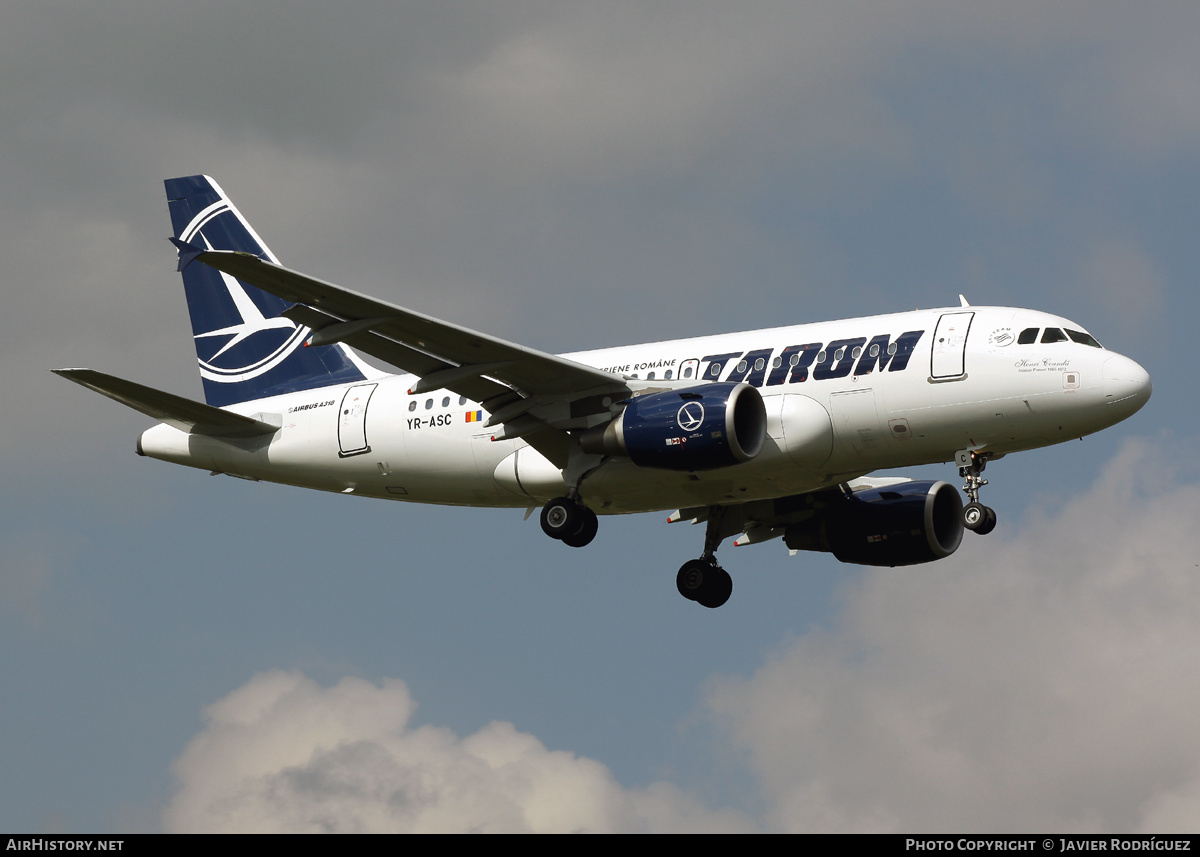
(1126, 384)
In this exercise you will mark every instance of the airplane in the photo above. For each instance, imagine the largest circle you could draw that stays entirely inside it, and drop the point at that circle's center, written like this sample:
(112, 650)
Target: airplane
(759, 435)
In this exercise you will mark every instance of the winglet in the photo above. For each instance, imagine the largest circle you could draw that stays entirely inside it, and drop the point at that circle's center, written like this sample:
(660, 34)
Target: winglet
(187, 252)
(963, 301)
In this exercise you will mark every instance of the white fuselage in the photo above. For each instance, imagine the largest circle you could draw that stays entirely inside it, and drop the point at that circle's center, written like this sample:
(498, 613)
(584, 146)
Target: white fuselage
(833, 414)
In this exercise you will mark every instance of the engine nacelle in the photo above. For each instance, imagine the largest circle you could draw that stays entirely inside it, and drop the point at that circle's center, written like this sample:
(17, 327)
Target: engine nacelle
(698, 428)
(903, 524)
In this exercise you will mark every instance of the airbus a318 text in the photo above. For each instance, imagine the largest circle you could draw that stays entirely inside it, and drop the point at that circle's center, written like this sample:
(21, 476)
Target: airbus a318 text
(760, 435)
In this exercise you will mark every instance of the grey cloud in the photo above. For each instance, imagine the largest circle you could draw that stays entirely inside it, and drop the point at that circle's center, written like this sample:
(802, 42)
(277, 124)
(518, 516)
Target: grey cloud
(1045, 681)
(282, 754)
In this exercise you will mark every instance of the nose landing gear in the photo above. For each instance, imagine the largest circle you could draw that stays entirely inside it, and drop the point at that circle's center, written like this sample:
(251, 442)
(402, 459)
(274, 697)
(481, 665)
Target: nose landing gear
(977, 517)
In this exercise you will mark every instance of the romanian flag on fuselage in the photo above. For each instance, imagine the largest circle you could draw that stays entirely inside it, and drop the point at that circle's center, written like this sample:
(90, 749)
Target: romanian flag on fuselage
(474, 416)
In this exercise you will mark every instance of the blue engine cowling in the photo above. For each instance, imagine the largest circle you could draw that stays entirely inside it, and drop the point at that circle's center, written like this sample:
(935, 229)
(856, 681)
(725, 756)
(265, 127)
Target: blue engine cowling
(698, 428)
(903, 524)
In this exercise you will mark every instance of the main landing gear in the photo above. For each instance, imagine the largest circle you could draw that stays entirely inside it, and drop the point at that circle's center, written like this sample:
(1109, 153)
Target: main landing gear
(569, 521)
(976, 516)
(703, 580)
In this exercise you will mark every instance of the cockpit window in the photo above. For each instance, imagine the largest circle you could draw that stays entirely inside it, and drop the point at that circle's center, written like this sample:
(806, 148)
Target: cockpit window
(1053, 334)
(1083, 338)
(1028, 336)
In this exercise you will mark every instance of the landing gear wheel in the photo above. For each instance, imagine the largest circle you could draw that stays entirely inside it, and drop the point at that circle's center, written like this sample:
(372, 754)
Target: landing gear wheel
(704, 582)
(719, 591)
(690, 578)
(561, 517)
(979, 518)
(588, 526)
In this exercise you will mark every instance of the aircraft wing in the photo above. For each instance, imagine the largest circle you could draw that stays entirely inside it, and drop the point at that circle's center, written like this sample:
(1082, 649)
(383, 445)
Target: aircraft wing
(538, 396)
(523, 369)
(176, 411)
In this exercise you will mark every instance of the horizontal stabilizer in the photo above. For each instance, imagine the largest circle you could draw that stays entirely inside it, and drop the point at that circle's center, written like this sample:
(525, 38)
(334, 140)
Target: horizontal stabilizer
(175, 411)
(187, 252)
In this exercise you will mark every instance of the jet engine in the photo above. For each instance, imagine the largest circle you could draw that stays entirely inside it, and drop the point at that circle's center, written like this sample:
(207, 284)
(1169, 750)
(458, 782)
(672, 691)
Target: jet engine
(698, 428)
(903, 524)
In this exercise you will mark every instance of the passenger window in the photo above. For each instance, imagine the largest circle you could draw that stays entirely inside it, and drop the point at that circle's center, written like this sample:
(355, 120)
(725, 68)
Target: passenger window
(446, 402)
(759, 364)
(1053, 334)
(649, 376)
(1028, 336)
(462, 400)
(412, 406)
(687, 373)
(428, 404)
(667, 374)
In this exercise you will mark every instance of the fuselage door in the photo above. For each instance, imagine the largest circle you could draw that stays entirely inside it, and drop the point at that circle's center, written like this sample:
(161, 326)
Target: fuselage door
(352, 420)
(950, 345)
(688, 370)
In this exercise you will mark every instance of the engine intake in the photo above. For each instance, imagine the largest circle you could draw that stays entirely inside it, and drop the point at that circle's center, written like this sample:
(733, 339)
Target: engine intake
(698, 428)
(904, 524)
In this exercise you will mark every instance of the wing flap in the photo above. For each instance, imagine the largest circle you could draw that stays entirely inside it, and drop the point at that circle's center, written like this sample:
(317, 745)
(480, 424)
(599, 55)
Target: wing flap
(474, 387)
(175, 411)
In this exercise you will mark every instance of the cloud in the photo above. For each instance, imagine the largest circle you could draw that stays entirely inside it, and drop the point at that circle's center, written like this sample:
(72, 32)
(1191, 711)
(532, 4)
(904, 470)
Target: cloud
(282, 754)
(1040, 679)
(1044, 680)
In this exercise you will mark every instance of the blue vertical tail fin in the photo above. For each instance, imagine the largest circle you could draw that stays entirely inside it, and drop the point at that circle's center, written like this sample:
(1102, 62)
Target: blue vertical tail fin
(245, 348)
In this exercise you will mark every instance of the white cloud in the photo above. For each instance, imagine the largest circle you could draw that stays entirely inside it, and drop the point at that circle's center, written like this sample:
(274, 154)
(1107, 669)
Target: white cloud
(1041, 680)
(282, 754)
(1044, 678)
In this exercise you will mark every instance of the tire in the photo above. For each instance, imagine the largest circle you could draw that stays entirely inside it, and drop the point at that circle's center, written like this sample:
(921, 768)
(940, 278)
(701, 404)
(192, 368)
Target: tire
(690, 579)
(989, 521)
(561, 517)
(588, 526)
(704, 582)
(719, 588)
(974, 516)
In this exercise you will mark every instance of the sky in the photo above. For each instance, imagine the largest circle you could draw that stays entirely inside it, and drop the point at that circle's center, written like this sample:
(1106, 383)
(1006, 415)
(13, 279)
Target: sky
(192, 653)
